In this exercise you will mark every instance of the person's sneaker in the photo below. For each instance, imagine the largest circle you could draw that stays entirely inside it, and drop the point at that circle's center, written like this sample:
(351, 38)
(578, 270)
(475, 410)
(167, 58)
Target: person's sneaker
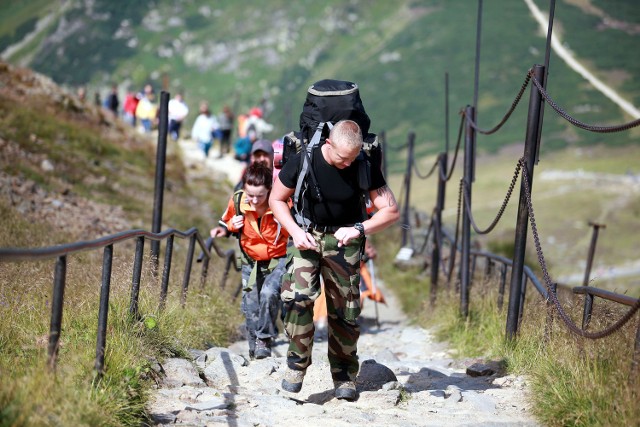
(345, 390)
(263, 348)
(292, 381)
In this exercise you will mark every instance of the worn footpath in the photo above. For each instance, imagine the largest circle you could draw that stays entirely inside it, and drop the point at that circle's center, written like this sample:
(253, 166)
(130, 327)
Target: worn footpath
(406, 378)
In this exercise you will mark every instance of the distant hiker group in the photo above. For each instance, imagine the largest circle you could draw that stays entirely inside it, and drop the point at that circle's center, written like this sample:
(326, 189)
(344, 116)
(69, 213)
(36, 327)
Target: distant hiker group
(140, 109)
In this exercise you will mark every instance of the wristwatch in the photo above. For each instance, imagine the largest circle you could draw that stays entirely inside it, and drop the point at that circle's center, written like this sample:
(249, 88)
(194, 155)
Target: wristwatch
(360, 227)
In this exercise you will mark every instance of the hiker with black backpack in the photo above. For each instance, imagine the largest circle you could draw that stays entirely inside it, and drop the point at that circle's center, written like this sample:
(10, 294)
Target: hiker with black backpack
(263, 246)
(329, 180)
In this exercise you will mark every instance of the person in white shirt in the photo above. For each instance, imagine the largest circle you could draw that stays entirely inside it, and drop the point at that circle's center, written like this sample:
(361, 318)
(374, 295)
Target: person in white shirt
(203, 129)
(178, 111)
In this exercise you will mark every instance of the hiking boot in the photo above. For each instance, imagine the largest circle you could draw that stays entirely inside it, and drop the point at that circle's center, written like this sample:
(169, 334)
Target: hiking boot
(263, 348)
(292, 381)
(345, 390)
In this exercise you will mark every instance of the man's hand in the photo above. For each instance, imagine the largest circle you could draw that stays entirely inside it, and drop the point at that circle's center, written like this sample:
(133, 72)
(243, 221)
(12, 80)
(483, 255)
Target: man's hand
(346, 234)
(303, 240)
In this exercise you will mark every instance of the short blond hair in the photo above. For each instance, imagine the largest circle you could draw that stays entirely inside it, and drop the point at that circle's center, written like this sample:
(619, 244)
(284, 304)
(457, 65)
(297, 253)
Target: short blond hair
(346, 132)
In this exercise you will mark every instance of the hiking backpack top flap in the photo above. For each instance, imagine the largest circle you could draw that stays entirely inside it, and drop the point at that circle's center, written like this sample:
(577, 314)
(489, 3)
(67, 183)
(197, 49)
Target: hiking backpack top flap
(327, 102)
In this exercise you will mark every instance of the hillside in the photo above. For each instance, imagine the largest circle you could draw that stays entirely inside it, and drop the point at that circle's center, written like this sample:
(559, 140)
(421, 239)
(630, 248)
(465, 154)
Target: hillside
(244, 53)
(76, 169)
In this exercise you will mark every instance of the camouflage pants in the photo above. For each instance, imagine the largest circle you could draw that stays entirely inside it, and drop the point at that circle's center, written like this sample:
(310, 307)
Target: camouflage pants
(340, 270)
(260, 305)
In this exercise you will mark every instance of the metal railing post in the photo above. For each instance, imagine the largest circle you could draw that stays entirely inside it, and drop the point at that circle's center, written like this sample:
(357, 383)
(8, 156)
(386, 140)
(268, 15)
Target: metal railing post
(135, 281)
(103, 313)
(437, 232)
(468, 178)
(57, 303)
(161, 158)
(166, 272)
(187, 269)
(592, 251)
(503, 281)
(405, 214)
(535, 106)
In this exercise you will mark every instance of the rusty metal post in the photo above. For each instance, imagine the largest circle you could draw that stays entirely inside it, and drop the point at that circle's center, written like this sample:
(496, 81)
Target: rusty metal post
(158, 193)
(531, 141)
(187, 269)
(166, 272)
(135, 281)
(103, 313)
(437, 233)
(503, 281)
(468, 178)
(588, 298)
(57, 303)
(405, 214)
(592, 251)
(205, 262)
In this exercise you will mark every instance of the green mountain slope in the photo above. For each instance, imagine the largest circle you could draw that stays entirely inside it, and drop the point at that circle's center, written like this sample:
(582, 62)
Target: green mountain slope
(240, 53)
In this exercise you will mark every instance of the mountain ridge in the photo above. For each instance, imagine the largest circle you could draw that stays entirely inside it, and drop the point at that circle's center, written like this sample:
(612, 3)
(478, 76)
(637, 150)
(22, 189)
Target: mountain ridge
(241, 54)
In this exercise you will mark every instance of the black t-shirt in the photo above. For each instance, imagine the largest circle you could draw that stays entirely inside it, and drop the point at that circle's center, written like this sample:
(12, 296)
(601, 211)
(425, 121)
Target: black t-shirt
(340, 190)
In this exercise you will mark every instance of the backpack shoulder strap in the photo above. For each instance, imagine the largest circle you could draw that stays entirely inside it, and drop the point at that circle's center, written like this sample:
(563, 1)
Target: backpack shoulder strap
(307, 152)
(237, 197)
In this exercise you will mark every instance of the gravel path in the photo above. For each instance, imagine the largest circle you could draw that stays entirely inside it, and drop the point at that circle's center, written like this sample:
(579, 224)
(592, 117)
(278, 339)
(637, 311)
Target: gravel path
(406, 379)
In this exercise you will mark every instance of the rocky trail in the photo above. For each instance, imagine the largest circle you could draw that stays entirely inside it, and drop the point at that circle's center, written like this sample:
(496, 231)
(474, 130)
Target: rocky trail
(406, 378)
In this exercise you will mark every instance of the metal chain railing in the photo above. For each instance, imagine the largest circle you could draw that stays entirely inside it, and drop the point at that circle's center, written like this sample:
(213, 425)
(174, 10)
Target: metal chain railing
(554, 299)
(438, 237)
(505, 202)
(576, 122)
(514, 104)
(426, 237)
(455, 153)
(457, 234)
(433, 168)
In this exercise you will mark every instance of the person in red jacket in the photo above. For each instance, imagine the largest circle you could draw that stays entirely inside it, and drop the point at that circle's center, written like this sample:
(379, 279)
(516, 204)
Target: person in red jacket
(263, 243)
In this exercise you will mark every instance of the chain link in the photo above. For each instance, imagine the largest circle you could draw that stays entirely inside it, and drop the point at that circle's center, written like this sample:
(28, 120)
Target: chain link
(576, 122)
(433, 168)
(455, 239)
(514, 104)
(505, 202)
(552, 295)
(455, 153)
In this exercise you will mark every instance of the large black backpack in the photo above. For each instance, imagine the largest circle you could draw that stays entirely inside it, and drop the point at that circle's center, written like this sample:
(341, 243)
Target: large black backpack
(328, 102)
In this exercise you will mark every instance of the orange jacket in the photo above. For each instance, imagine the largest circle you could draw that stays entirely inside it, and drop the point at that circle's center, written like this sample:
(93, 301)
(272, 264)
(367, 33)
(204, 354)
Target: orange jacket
(260, 243)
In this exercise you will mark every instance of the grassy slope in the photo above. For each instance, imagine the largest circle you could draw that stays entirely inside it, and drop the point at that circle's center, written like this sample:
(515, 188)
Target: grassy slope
(85, 146)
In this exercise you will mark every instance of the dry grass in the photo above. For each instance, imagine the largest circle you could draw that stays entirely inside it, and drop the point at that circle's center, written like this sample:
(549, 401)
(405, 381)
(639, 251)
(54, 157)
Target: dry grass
(574, 381)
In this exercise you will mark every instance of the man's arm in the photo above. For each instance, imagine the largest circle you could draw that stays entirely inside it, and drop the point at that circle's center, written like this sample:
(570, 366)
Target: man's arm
(386, 209)
(279, 204)
(386, 214)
